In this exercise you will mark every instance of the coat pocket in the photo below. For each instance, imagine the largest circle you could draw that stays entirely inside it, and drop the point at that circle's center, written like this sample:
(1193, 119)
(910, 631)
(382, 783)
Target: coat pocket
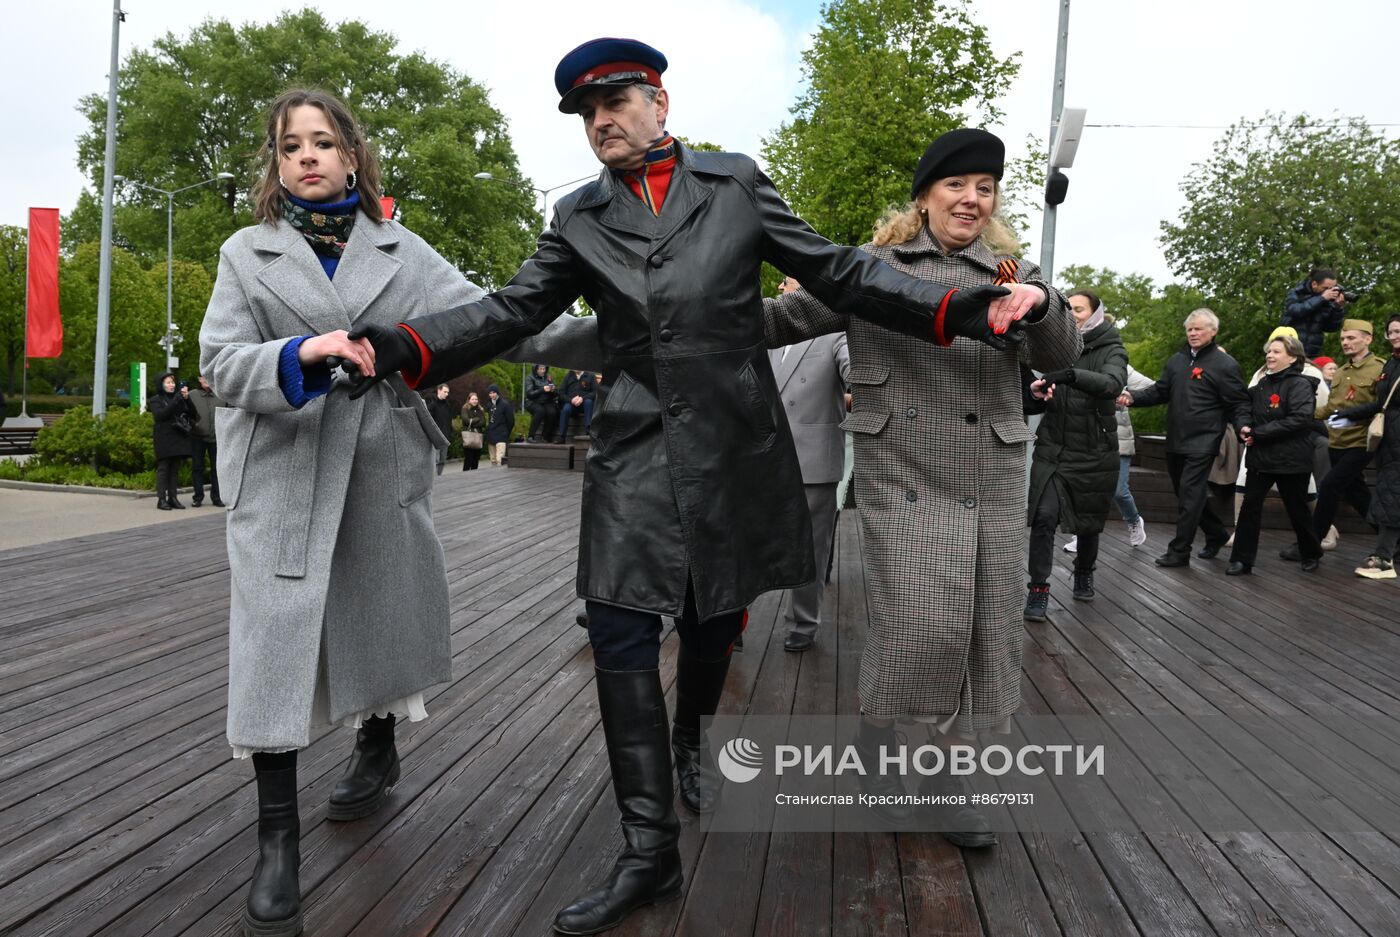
(608, 418)
(1012, 432)
(413, 455)
(757, 404)
(870, 374)
(234, 429)
(870, 422)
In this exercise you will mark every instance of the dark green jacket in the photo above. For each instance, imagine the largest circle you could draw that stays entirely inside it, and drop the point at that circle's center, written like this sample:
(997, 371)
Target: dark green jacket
(1076, 446)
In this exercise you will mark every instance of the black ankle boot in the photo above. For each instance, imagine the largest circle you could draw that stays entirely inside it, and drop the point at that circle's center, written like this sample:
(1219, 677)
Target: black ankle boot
(962, 824)
(699, 685)
(1084, 586)
(373, 772)
(649, 868)
(874, 783)
(274, 899)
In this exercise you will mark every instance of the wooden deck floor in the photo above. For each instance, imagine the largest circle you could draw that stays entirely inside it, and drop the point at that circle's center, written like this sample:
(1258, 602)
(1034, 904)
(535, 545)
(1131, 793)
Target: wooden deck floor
(121, 812)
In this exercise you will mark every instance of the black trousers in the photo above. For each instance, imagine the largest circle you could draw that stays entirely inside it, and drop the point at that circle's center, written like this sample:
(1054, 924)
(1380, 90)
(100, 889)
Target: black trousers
(470, 458)
(1293, 489)
(1042, 548)
(542, 416)
(202, 446)
(1345, 481)
(1386, 541)
(624, 639)
(167, 477)
(1190, 475)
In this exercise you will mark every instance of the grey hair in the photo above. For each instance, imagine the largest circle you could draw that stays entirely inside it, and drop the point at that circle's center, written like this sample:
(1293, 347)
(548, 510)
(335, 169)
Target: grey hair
(649, 92)
(1203, 313)
(1290, 344)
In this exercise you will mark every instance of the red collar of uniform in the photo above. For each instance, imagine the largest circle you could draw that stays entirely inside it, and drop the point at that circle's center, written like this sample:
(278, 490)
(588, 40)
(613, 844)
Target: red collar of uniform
(653, 180)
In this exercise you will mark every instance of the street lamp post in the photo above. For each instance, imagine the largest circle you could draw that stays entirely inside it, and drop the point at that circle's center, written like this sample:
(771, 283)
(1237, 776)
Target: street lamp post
(169, 340)
(544, 214)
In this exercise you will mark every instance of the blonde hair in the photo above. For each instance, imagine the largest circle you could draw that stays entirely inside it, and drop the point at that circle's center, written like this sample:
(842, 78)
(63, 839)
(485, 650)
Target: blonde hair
(268, 193)
(903, 224)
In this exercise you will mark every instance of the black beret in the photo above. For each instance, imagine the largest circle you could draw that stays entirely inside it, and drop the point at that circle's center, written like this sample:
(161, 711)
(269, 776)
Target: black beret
(603, 62)
(959, 152)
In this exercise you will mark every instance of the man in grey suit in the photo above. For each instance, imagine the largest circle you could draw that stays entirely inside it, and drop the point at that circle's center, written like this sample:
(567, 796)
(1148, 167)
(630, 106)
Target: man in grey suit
(812, 377)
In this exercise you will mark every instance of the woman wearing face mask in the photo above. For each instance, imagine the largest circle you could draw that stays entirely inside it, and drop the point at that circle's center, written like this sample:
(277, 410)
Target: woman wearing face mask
(1279, 451)
(174, 414)
(1074, 469)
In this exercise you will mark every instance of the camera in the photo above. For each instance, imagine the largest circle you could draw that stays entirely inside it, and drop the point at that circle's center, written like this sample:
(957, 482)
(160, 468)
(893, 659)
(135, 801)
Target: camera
(1350, 296)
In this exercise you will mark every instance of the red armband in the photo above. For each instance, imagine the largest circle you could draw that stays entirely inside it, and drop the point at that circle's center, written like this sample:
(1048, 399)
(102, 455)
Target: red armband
(424, 356)
(939, 335)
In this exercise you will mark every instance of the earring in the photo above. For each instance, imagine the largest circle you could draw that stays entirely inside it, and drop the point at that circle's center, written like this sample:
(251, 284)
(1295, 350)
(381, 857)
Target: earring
(282, 182)
(350, 183)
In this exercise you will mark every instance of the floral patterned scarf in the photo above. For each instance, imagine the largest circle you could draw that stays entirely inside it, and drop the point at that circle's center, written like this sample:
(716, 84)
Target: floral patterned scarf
(325, 225)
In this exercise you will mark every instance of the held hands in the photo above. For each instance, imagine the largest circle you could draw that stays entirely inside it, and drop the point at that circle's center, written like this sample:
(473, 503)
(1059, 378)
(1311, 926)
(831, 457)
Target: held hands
(969, 314)
(1043, 388)
(391, 349)
(337, 348)
(1125, 399)
(1247, 435)
(1022, 302)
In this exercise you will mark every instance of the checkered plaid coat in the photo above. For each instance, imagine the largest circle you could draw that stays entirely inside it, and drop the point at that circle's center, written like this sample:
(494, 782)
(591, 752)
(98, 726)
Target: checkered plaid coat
(940, 485)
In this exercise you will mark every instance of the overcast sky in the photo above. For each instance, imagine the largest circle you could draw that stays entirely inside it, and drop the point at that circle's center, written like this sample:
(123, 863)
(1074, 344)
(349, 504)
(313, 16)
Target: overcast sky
(734, 72)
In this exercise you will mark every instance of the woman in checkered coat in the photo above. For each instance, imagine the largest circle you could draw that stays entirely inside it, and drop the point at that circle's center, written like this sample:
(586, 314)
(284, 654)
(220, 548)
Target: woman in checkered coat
(940, 451)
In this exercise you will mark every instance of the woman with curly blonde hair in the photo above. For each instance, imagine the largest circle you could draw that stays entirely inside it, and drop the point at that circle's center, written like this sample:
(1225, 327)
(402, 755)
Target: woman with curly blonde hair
(940, 451)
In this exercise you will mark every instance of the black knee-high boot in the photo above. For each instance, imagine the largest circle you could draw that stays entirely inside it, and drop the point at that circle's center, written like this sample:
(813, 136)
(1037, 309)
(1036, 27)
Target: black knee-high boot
(699, 686)
(649, 868)
(274, 898)
(372, 774)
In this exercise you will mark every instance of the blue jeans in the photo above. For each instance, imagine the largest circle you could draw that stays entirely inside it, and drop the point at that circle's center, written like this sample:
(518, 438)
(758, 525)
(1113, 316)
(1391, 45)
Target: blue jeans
(568, 411)
(1123, 497)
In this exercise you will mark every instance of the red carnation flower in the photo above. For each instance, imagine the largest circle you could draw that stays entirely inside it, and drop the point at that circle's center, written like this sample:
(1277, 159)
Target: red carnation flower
(1273, 401)
(1196, 373)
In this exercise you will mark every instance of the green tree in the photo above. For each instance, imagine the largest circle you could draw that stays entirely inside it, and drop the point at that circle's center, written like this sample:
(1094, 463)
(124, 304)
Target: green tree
(194, 106)
(137, 319)
(14, 249)
(884, 77)
(1277, 196)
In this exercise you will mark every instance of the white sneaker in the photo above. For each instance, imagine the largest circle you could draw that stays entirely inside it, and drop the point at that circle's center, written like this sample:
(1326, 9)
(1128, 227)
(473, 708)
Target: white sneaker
(1072, 546)
(1329, 542)
(1137, 533)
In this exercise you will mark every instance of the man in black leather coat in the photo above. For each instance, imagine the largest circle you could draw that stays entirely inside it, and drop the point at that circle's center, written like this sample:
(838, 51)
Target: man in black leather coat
(692, 498)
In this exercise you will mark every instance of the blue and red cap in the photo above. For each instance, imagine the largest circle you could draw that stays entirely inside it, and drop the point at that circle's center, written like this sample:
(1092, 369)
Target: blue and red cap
(602, 63)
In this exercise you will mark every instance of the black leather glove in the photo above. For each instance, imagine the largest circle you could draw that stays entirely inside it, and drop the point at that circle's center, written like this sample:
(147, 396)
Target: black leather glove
(1065, 377)
(394, 350)
(966, 315)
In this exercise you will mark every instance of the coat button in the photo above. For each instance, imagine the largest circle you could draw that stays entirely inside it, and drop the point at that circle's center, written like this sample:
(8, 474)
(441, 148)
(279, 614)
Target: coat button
(969, 503)
(675, 409)
(971, 418)
(912, 412)
(664, 335)
(911, 496)
(657, 260)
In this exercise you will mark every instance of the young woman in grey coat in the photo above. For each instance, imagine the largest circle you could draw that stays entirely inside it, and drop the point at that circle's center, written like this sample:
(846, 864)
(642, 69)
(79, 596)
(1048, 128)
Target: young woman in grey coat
(339, 607)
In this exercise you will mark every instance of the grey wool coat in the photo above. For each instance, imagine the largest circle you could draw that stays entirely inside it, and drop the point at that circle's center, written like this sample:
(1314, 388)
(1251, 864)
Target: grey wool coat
(940, 451)
(333, 557)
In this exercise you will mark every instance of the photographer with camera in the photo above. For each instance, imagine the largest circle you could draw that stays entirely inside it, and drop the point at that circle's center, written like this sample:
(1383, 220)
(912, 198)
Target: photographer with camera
(1315, 306)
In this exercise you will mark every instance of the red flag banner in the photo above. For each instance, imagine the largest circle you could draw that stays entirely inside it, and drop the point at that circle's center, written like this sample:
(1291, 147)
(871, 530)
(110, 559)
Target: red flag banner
(43, 328)
(386, 204)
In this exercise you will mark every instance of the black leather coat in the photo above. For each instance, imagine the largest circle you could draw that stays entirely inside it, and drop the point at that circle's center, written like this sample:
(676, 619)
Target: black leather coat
(1203, 393)
(692, 474)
